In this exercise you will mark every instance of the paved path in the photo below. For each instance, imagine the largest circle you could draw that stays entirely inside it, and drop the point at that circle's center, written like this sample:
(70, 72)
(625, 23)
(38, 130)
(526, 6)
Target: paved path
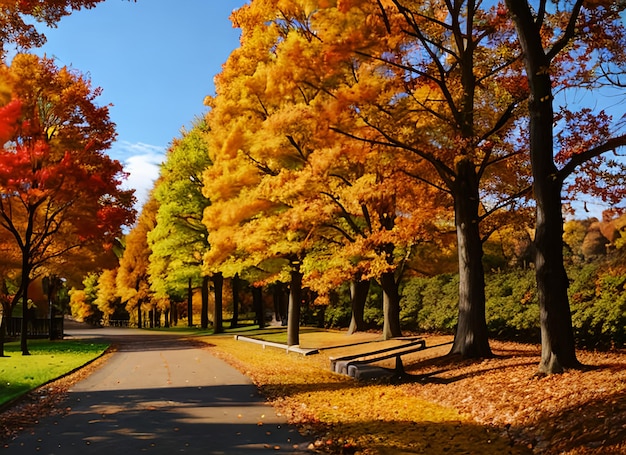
(161, 394)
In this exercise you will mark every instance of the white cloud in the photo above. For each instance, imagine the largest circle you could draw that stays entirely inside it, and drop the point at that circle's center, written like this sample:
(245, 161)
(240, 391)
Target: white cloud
(142, 162)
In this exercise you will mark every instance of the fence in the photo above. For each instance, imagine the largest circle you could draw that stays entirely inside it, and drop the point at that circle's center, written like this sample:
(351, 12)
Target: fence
(37, 328)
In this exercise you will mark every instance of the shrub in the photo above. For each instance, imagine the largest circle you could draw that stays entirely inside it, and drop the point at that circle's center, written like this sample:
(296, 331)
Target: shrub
(430, 304)
(511, 306)
(598, 306)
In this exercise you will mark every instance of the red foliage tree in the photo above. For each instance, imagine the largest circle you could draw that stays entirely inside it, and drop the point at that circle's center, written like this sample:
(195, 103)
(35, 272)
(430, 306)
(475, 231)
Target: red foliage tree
(61, 192)
(578, 45)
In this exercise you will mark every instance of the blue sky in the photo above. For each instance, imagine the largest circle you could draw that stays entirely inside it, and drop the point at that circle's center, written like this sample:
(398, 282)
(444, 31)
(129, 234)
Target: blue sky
(155, 61)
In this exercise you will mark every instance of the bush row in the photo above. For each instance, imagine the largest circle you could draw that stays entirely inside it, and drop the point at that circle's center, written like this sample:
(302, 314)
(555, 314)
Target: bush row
(429, 304)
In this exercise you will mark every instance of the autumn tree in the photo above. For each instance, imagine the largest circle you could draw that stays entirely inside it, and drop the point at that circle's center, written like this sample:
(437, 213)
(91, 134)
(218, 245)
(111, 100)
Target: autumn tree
(107, 298)
(83, 301)
(413, 84)
(250, 229)
(133, 281)
(567, 46)
(179, 239)
(62, 192)
(351, 197)
(9, 282)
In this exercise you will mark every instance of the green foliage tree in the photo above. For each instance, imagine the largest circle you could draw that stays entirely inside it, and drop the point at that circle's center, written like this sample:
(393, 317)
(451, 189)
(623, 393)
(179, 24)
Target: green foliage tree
(179, 238)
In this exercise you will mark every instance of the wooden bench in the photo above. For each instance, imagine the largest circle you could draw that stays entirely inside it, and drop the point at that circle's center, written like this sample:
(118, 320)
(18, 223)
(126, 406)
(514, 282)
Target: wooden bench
(359, 366)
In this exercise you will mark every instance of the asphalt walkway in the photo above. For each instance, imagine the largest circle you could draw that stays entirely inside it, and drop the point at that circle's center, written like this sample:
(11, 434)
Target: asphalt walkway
(161, 394)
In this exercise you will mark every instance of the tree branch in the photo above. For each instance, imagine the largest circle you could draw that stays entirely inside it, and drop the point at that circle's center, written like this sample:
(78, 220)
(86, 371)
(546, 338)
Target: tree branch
(577, 160)
(569, 32)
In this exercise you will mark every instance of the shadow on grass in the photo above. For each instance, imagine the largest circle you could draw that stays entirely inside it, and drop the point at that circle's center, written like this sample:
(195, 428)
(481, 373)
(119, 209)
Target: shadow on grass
(273, 391)
(397, 437)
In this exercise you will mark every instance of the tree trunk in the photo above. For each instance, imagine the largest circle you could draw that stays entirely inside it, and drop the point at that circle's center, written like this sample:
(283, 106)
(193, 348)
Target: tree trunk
(236, 285)
(280, 303)
(558, 350)
(139, 321)
(471, 339)
(7, 310)
(174, 313)
(391, 306)
(257, 302)
(204, 307)
(3, 329)
(293, 316)
(24, 334)
(218, 284)
(189, 304)
(358, 296)
(51, 285)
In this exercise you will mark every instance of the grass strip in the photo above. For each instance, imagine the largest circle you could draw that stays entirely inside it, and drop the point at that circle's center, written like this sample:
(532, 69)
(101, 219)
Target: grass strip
(49, 360)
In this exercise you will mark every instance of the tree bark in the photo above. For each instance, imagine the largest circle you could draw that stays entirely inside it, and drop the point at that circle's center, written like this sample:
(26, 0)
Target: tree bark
(293, 316)
(189, 304)
(471, 339)
(174, 313)
(257, 299)
(25, 283)
(236, 285)
(151, 318)
(3, 329)
(204, 308)
(358, 296)
(139, 321)
(391, 306)
(558, 350)
(280, 299)
(218, 284)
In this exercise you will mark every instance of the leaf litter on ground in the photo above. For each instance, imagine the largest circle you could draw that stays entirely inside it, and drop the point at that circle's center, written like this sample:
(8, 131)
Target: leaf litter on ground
(446, 405)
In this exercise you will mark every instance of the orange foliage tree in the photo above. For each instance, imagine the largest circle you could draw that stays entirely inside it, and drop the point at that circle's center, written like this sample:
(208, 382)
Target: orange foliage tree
(432, 87)
(61, 192)
(132, 279)
(289, 193)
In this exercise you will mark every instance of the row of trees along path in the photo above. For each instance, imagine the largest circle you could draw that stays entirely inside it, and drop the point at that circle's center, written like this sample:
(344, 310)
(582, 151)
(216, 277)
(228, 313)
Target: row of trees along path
(367, 126)
(345, 140)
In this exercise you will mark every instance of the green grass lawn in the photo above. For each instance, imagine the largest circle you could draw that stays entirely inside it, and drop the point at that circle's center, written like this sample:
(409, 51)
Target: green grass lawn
(48, 360)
